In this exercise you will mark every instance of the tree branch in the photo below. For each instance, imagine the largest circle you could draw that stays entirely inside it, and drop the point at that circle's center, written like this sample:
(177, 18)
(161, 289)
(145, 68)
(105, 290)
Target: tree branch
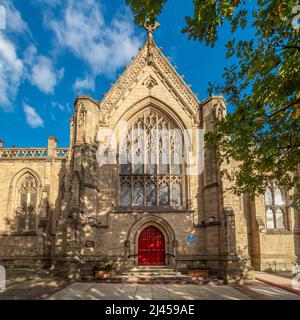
(284, 108)
(291, 47)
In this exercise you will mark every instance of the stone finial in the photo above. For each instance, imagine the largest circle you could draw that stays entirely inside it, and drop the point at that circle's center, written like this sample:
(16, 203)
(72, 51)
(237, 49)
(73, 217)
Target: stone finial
(52, 142)
(150, 27)
(1, 143)
(52, 145)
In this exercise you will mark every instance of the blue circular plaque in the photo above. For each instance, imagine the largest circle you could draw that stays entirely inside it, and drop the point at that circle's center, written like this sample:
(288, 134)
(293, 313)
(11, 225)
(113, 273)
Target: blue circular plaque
(191, 238)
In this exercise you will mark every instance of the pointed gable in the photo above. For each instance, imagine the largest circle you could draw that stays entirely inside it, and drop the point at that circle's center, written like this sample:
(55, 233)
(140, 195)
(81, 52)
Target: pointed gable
(151, 55)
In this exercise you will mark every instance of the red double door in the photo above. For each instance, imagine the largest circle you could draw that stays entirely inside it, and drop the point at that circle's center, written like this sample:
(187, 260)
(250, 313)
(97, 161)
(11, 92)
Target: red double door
(151, 247)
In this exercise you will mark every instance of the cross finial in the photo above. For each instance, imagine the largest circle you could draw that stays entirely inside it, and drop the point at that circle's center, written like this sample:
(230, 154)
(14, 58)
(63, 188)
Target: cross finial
(150, 27)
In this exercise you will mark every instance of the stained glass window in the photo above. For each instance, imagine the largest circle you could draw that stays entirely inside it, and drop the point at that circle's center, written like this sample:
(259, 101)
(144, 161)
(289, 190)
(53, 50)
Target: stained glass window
(270, 219)
(279, 218)
(138, 195)
(268, 197)
(151, 194)
(176, 194)
(163, 195)
(278, 197)
(276, 213)
(125, 194)
(150, 158)
(27, 203)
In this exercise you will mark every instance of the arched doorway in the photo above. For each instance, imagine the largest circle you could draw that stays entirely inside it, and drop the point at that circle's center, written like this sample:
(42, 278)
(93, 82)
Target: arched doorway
(151, 247)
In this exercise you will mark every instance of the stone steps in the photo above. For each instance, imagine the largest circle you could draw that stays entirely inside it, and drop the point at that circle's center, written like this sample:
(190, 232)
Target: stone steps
(152, 275)
(152, 272)
(156, 275)
(159, 280)
(160, 275)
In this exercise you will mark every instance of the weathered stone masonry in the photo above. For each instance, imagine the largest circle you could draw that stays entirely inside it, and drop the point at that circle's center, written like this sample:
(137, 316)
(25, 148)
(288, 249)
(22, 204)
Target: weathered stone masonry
(78, 220)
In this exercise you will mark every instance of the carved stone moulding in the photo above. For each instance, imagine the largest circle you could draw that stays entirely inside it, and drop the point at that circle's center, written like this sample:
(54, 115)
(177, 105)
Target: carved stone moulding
(150, 82)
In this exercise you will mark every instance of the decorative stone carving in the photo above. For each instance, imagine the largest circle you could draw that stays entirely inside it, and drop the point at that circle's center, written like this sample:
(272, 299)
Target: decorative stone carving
(220, 109)
(29, 184)
(150, 27)
(81, 114)
(102, 119)
(175, 84)
(150, 82)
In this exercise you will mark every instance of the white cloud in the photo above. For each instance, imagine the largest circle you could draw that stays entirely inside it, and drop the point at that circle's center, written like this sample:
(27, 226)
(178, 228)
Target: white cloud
(11, 65)
(14, 21)
(38, 69)
(57, 105)
(41, 71)
(2, 18)
(30, 54)
(83, 30)
(32, 117)
(84, 84)
(11, 71)
(44, 76)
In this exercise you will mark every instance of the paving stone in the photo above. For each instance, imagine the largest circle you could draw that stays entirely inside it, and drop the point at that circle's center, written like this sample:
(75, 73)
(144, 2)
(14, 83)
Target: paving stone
(80, 286)
(49, 289)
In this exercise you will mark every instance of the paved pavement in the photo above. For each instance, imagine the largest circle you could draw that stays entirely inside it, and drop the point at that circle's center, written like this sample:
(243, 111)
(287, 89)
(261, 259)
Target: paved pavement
(252, 290)
(46, 288)
(31, 289)
(101, 291)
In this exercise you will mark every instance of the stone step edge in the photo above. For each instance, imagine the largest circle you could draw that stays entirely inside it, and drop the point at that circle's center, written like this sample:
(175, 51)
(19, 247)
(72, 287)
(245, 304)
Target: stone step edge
(158, 281)
(151, 274)
(152, 270)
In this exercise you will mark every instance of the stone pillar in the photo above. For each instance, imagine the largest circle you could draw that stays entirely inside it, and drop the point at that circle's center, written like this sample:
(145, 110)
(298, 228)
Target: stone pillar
(221, 249)
(1, 143)
(297, 224)
(52, 146)
(212, 189)
(234, 273)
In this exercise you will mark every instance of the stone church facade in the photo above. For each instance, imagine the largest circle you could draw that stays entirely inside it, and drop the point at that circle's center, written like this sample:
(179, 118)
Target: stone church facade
(104, 198)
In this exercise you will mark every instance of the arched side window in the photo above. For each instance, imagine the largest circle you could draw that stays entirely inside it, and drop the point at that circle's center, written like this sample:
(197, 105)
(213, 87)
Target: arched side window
(150, 163)
(276, 211)
(27, 190)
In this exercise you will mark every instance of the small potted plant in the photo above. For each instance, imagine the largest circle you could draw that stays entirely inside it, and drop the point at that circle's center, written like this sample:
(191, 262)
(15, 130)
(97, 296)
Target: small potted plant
(104, 271)
(198, 269)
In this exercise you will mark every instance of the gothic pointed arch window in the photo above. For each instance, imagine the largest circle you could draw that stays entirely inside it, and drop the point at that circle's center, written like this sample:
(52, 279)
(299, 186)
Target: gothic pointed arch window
(27, 191)
(276, 211)
(150, 163)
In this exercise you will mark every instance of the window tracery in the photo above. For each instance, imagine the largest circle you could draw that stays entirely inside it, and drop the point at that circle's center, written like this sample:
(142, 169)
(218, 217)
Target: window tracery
(27, 203)
(276, 213)
(150, 157)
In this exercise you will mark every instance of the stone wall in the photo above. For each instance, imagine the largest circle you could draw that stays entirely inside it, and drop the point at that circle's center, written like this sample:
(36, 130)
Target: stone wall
(47, 165)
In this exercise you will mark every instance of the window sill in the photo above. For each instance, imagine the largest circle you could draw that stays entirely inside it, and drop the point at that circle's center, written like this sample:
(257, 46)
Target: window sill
(209, 224)
(278, 232)
(22, 234)
(150, 210)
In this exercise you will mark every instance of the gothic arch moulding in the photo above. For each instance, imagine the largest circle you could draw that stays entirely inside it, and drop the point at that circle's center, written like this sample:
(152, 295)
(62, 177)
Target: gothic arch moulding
(131, 245)
(164, 109)
(168, 113)
(13, 191)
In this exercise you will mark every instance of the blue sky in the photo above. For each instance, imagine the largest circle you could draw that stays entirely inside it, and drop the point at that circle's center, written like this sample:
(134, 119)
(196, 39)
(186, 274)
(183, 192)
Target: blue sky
(50, 51)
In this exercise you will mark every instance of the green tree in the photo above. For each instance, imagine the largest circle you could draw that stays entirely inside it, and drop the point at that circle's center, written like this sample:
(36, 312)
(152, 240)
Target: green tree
(262, 87)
